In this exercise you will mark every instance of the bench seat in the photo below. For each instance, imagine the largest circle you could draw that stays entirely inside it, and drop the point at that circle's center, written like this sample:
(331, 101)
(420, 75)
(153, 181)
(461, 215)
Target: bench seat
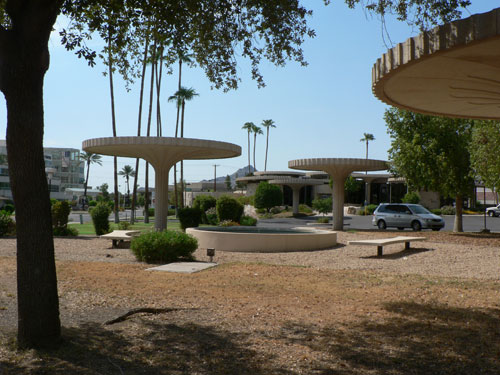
(381, 242)
(119, 236)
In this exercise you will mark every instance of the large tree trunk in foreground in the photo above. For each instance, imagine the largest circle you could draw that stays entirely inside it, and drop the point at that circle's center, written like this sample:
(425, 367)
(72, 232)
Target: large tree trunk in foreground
(458, 225)
(24, 59)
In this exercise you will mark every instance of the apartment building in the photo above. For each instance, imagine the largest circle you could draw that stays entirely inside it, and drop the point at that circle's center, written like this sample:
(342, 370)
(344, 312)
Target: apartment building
(63, 168)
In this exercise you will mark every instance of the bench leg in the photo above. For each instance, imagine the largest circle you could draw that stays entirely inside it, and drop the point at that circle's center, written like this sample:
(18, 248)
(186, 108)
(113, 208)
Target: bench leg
(379, 251)
(114, 244)
(407, 245)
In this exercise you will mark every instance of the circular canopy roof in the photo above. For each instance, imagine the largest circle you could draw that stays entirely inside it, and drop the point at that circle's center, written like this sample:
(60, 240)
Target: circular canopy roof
(161, 150)
(297, 181)
(335, 166)
(279, 173)
(453, 70)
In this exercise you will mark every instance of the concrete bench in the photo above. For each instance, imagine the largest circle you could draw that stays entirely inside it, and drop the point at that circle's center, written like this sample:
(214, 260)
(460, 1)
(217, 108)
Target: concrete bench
(119, 236)
(381, 242)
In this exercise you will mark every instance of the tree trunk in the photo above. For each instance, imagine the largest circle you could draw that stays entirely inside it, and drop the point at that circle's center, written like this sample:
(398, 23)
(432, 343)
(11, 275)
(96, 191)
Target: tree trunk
(86, 180)
(248, 152)
(254, 144)
(267, 144)
(146, 196)
(24, 59)
(182, 162)
(139, 120)
(458, 225)
(113, 124)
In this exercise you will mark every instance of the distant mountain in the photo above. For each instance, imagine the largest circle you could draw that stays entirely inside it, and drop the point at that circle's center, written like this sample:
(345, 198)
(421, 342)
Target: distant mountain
(242, 172)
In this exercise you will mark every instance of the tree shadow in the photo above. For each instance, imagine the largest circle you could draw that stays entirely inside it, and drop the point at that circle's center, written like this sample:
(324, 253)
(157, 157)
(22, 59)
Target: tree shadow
(401, 254)
(417, 339)
(144, 347)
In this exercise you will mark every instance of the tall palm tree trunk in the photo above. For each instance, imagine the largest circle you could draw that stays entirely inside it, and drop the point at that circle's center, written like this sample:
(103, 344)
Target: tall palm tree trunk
(113, 122)
(86, 179)
(267, 144)
(254, 143)
(182, 162)
(249, 152)
(148, 133)
(141, 96)
(176, 129)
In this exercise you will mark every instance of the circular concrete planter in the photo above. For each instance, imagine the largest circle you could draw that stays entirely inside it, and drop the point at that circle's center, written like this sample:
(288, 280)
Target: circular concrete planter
(263, 240)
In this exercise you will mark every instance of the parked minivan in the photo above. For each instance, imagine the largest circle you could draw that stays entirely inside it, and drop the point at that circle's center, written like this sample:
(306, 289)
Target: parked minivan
(406, 215)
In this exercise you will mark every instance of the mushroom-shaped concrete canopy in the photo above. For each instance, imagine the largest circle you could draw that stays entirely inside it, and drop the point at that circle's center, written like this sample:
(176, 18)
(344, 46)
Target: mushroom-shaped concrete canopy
(339, 169)
(162, 153)
(453, 70)
(296, 184)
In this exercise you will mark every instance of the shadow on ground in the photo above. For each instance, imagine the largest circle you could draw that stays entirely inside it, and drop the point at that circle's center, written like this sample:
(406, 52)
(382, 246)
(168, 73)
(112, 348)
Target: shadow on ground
(400, 254)
(417, 339)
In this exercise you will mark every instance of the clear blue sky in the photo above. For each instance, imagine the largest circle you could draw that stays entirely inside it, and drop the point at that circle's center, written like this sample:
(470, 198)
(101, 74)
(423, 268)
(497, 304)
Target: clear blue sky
(321, 110)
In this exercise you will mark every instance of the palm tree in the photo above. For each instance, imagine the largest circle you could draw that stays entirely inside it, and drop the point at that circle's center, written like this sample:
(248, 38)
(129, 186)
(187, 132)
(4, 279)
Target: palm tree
(256, 130)
(248, 127)
(267, 124)
(367, 137)
(182, 96)
(89, 158)
(127, 172)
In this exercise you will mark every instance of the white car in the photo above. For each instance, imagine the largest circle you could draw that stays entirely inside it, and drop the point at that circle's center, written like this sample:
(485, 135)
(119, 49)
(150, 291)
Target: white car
(493, 211)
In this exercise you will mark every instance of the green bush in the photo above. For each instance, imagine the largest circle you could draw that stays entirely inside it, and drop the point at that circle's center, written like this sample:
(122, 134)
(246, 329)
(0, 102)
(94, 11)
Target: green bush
(305, 209)
(323, 206)
(189, 217)
(9, 208)
(244, 200)
(163, 247)
(92, 203)
(411, 197)
(60, 213)
(323, 220)
(448, 210)
(267, 196)
(203, 203)
(436, 211)
(151, 212)
(7, 225)
(100, 214)
(123, 225)
(228, 208)
(261, 211)
(211, 215)
(248, 221)
(69, 231)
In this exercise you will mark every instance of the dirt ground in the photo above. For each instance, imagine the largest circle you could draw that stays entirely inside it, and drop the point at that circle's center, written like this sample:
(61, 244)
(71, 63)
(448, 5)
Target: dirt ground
(433, 309)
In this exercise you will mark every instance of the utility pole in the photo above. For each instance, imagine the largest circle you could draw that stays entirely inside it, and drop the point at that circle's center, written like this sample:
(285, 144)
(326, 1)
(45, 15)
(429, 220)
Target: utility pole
(215, 176)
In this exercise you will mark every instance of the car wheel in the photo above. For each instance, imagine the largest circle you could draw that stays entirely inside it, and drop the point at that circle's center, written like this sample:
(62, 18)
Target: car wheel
(491, 213)
(381, 224)
(416, 226)
(401, 228)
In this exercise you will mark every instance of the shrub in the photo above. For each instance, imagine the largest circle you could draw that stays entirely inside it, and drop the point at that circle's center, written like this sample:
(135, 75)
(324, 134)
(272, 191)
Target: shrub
(228, 223)
(275, 210)
(248, 221)
(436, 211)
(92, 203)
(305, 209)
(323, 206)
(189, 217)
(203, 203)
(6, 224)
(267, 196)
(323, 220)
(448, 210)
(67, 231)
(261, 211)
(244, 200)
(368, 210)
(151, 212)
(165, 247)
(411, 197)
(228, 208)
(211, 215)
(123, 225)
(100, 214)
(9, 208)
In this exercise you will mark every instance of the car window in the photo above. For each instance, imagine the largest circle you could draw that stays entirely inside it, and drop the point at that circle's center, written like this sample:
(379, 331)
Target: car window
(381, 208)
(404, 210)
(419, 209)
(392, 209)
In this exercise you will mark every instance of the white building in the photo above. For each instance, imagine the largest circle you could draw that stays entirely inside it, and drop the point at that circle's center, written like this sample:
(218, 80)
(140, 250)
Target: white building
(63, 167)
